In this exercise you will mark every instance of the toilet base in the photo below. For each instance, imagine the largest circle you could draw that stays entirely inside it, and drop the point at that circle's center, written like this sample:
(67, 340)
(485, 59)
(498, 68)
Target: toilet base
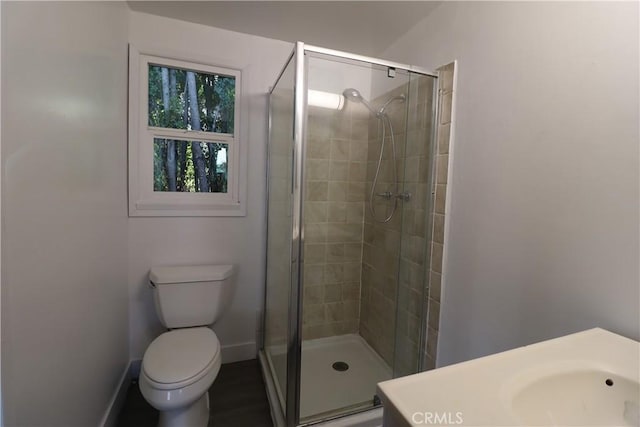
(195, 415)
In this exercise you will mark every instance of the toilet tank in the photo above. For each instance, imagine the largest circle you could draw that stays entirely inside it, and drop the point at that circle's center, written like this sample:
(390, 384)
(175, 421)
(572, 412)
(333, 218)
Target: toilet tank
(191, 295)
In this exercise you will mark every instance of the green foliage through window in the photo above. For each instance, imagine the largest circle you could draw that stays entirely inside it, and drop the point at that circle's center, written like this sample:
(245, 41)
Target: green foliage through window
(184, 99)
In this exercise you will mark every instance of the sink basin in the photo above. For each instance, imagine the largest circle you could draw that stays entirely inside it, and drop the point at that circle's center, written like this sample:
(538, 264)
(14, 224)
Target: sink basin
(591, 378)
(578, 398)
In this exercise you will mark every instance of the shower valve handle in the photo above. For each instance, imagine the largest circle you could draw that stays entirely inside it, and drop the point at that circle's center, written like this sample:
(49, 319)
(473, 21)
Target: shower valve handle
(387, 195)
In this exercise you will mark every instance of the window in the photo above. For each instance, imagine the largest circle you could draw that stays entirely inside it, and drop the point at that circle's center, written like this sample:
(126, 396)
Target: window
(184, 150)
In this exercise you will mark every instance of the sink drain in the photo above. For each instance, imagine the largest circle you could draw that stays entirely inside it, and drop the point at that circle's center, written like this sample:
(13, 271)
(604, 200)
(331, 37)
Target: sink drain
(340, 366)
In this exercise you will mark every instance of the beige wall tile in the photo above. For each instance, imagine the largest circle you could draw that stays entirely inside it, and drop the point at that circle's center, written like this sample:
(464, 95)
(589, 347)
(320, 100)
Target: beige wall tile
(315, 233)
(432, 343)
(313, 314)
(339, 149)
(352, 272)
(352, 251)
(446, 77)
(316, 149)
(332, 292)
(360, 128)
(314, 253)
(317, 191)
(424, 169)
(334, 311)
(334, 273)
(438, 228)
(351, 309)
(315, 212)
(356, 191)
(337, 191)
(335, 252)
(444, 133)
(358, 151)
(337, 212)
(355, 212)
(436, 257)
(357, 171)
(351, 291)
(313, 274)
(441, 193)
(339, 170)
(317, 169)
(445, 109)
(435, 283)
(313, 294)
(442, 166)
(434, 314)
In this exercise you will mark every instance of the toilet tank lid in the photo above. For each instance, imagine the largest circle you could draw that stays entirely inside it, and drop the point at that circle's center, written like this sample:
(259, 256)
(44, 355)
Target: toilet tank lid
(189, 273)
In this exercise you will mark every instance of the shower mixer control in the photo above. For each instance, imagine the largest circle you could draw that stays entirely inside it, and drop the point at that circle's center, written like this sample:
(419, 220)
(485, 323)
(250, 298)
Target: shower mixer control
(387, 195)
(405, 197)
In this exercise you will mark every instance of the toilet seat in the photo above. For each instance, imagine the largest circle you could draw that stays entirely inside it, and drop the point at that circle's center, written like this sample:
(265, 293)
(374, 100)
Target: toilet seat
(180, 357)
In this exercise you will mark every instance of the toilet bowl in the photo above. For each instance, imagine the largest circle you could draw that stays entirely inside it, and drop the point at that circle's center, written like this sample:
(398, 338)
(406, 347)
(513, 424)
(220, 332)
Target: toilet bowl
(177, 370)
(180, 365)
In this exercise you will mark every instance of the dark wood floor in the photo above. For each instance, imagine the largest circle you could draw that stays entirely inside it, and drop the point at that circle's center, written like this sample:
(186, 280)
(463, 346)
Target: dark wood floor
(237, 399)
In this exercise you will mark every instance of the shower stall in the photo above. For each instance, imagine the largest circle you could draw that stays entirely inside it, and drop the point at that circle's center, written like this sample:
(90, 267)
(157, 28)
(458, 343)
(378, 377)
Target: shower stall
(350, 170)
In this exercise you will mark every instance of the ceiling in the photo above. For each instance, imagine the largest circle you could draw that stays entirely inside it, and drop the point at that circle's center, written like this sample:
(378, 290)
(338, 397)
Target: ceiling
(363, 27)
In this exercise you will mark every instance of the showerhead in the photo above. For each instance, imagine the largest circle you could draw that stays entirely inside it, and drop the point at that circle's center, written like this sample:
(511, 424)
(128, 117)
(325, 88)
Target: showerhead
(354, 95)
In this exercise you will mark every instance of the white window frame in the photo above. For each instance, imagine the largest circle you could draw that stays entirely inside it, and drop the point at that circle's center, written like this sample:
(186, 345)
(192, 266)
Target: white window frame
(143, 200)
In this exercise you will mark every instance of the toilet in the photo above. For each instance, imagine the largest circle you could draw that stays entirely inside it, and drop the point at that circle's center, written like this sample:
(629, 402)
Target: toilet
(180, 365)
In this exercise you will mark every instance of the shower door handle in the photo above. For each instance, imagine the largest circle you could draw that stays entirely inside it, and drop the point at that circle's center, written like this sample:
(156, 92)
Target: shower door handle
(405, 197)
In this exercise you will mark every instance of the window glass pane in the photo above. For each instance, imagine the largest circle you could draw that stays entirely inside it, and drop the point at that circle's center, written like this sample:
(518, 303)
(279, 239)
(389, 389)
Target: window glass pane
(184, 99)
(190, 166)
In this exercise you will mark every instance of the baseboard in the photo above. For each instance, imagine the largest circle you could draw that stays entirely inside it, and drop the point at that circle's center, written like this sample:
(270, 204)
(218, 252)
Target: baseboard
(238, 352)
(134, 369)
(110, 418)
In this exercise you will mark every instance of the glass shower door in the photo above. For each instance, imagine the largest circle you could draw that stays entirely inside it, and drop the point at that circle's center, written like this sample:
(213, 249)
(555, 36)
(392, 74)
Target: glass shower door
(279, 230)
(415, 254)
(355, 137)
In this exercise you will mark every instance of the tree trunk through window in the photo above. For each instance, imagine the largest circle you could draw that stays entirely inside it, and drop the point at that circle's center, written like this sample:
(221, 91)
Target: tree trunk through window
(171, 146)
(202, 184)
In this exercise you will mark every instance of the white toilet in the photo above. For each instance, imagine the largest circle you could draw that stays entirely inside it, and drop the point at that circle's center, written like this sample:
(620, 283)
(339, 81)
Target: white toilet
(180, 365)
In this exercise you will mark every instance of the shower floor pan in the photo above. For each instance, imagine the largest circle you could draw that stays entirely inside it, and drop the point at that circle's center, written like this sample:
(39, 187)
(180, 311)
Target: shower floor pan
(326, 391)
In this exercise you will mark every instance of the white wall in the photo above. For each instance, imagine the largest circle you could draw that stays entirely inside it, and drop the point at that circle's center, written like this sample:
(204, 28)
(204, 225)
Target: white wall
(64, 244)
(240, 240)
(543, 236)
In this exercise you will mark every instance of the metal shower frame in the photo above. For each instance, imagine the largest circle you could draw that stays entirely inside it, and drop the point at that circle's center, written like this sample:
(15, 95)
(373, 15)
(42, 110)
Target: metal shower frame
(294, 336)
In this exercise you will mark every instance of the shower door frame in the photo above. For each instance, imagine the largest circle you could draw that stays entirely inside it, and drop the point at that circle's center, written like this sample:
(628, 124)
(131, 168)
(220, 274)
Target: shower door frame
(294, 336)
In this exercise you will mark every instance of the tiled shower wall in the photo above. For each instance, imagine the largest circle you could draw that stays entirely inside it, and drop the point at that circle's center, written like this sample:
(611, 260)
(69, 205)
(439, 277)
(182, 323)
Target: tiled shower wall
(384, 298)
(333, 219)
(351, 262)
(414, 254)
(440, 214)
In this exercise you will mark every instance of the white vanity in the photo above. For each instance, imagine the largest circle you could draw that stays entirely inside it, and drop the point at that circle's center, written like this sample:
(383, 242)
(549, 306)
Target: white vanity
(590, 378)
